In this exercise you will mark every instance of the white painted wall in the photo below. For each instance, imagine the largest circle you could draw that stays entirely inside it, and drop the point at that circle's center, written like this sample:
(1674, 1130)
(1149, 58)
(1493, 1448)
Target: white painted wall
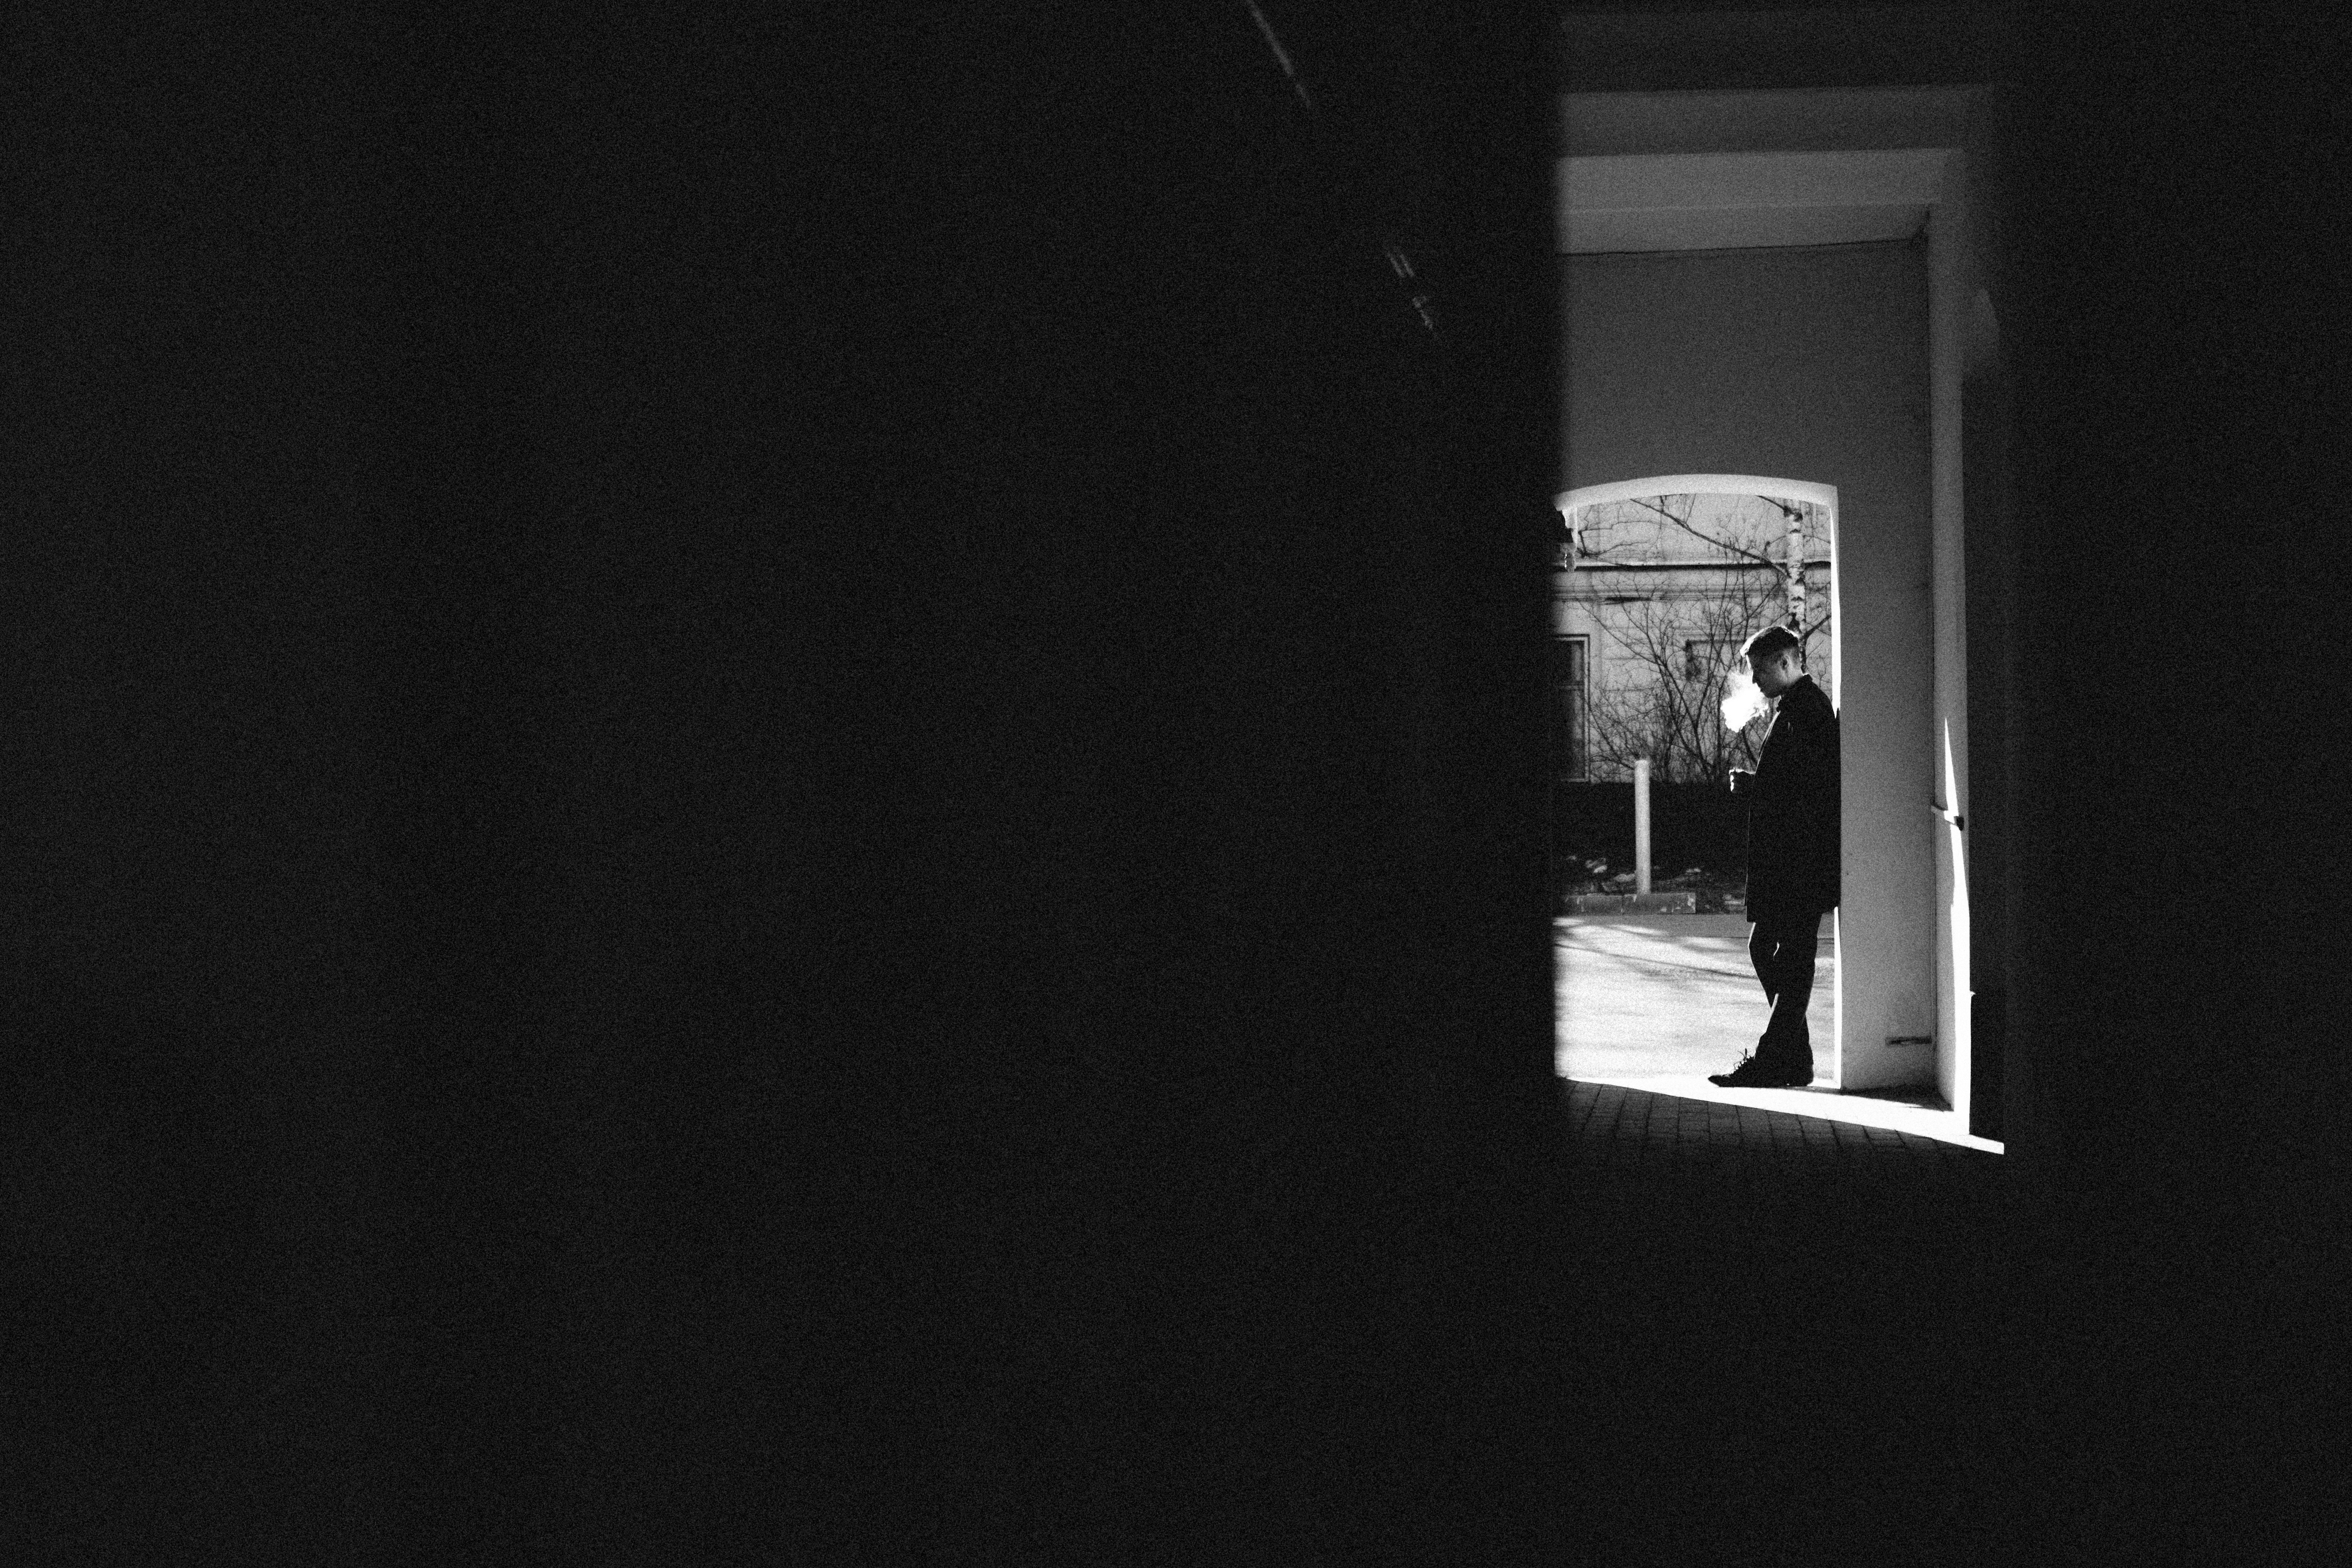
(1809, 364)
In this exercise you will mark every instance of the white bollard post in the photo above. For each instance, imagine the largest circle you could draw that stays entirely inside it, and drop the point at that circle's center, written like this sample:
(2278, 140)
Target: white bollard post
(1642, 825)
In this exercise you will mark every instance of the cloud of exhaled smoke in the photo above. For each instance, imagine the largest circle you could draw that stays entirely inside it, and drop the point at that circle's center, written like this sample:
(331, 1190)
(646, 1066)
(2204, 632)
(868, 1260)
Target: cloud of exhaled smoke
(1743, 701)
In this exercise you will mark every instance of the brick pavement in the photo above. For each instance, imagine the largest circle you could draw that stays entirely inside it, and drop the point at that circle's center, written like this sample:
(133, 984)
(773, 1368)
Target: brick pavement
(1792, 1338)
(1614, 1129)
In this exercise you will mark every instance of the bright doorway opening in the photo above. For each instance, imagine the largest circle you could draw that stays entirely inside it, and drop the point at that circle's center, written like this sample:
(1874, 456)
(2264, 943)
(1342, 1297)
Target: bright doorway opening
(1657, 583)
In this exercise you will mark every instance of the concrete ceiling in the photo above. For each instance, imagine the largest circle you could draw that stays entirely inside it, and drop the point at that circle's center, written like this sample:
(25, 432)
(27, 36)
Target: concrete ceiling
(1660, 46)
(1708, 201)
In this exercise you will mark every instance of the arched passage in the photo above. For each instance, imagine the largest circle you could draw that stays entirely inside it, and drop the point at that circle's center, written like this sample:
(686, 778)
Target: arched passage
(1885, 935)
(1696, 576)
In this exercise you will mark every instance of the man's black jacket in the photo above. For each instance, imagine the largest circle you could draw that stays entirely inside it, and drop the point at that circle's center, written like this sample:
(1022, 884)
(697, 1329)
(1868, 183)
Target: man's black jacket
(1792, 815)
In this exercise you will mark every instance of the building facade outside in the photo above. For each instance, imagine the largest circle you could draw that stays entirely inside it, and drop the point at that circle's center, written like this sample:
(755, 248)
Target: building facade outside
(1651, 599)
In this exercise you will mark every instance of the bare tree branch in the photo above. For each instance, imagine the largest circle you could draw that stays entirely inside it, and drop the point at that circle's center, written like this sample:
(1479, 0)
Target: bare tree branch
(1719, 543)
(1660, 695)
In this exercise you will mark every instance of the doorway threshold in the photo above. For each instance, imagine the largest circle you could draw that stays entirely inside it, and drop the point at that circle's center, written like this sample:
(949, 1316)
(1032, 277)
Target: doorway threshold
(1921, 1112)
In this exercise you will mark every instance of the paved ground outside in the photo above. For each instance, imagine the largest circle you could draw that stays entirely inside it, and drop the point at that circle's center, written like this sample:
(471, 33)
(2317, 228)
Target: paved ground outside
(1669, 995)
(1658, 1002)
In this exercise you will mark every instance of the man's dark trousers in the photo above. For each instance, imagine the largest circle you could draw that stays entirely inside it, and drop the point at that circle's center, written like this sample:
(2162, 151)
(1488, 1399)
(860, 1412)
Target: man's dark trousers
(1783, 948)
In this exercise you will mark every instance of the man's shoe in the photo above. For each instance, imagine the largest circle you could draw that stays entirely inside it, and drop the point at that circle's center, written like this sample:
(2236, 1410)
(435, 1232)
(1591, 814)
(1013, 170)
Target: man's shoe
(1755, 1073)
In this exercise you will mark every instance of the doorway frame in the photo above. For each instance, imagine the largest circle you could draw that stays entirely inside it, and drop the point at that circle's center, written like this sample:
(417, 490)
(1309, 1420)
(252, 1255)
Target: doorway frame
(1676, 171)
(1570, 502)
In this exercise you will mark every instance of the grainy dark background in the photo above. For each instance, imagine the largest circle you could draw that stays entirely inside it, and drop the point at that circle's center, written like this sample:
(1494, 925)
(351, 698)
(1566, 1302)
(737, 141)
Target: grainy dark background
(777, 781)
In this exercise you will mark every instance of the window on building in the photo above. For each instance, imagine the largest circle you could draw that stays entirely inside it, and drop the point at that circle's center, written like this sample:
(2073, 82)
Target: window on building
(1702, 655)
(1572, 756)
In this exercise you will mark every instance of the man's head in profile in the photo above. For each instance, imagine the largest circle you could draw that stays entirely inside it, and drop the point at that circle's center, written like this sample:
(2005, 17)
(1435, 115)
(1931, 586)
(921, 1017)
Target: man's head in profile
(1772, 659)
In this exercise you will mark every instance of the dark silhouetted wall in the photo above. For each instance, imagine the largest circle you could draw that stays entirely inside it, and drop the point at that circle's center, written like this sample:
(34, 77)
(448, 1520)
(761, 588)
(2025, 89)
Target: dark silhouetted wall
(782, 781)
(778, 779)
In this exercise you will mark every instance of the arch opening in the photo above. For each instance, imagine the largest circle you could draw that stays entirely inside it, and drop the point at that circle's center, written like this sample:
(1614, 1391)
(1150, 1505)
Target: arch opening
(1657, 584)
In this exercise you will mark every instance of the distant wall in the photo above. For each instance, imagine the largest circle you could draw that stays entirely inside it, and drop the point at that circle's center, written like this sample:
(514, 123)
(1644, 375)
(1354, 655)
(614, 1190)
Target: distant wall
(1808, 364)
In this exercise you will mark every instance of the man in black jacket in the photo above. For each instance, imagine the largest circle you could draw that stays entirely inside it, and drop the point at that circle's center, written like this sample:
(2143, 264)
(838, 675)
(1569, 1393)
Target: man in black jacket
(1792, 855)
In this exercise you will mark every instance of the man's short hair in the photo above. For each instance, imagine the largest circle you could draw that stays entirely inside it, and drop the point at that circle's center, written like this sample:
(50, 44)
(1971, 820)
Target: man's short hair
(1767, 644)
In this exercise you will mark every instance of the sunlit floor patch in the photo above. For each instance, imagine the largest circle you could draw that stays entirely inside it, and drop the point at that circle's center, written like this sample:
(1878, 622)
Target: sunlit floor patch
(1658, 1002)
